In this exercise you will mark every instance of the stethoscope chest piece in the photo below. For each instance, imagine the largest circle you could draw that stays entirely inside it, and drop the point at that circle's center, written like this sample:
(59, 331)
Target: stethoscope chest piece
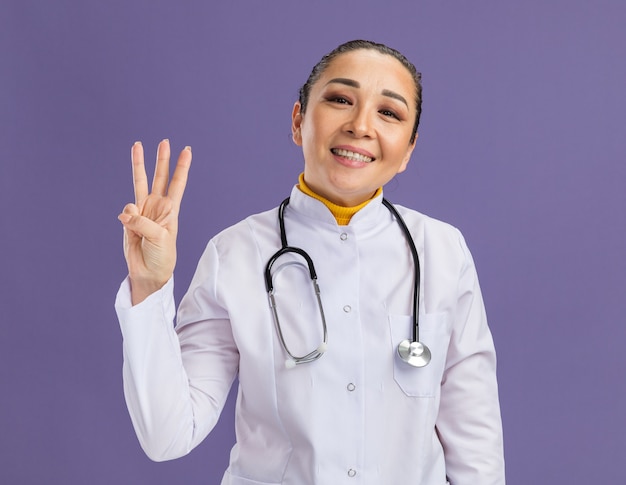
(414, 353)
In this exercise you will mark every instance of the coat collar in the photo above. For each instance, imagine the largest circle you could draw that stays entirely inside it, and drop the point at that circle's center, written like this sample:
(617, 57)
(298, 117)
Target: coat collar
(306, 206)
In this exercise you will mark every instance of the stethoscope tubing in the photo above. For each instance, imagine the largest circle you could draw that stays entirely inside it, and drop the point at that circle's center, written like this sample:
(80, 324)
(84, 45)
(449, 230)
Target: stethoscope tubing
(269, 285)
(412, 352)
(416, 262)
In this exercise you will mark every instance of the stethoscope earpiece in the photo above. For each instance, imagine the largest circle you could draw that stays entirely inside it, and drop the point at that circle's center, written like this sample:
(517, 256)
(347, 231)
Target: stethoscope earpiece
(416, 354)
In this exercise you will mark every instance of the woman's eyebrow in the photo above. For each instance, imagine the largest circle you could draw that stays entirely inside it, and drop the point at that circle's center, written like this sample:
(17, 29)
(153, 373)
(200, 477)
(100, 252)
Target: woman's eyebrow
(342, 80)
(355, 84)
(394, 95)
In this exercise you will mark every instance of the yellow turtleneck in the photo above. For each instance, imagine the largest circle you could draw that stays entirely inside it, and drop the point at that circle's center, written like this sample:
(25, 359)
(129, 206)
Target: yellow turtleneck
(342, 214)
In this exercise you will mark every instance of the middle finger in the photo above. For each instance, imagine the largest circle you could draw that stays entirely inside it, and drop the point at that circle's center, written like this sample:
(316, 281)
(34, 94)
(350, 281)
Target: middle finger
(162, 170)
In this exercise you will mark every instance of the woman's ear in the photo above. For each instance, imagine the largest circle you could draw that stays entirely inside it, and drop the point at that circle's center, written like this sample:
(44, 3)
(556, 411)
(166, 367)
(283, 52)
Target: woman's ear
(296, 122)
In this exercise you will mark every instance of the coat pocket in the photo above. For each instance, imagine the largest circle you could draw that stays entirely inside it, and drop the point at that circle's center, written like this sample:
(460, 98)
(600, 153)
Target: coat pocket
(435, 334)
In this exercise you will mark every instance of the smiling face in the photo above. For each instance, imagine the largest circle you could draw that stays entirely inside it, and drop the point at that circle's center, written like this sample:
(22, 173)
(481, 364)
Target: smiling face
(357, 128)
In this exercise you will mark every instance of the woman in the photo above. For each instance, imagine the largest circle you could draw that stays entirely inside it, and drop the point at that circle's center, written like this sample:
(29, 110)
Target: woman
(325, 396)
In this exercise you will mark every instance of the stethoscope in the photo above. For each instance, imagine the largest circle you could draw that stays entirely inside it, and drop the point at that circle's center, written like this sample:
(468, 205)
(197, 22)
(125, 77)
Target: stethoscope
(413, 352)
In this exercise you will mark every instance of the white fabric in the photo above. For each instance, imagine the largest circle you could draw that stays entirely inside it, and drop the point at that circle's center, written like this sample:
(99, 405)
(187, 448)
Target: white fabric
(358, 414)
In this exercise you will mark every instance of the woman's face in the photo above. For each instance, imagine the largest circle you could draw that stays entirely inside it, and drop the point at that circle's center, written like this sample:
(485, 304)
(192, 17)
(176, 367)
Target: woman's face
(356, 131)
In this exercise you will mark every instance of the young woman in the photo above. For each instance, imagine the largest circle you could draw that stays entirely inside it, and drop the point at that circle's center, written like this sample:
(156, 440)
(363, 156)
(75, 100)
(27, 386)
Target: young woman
(340, 386)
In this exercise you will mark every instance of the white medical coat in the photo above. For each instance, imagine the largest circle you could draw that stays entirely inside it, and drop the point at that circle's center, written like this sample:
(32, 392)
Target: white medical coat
(357, 415)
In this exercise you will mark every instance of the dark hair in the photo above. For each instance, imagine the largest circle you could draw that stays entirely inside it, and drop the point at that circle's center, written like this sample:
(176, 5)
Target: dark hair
(354, 45)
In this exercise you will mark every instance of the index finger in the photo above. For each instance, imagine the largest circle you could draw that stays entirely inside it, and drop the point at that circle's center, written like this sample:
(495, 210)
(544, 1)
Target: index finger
(179, 178)
(140, 179)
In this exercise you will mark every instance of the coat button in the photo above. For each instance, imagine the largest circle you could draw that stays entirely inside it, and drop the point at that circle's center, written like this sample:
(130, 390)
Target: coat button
(347, 308)
(343, 236)
(351, 472)
(351, 387)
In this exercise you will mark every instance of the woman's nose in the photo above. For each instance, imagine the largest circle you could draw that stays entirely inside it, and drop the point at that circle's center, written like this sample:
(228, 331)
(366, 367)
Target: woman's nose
(360, 123)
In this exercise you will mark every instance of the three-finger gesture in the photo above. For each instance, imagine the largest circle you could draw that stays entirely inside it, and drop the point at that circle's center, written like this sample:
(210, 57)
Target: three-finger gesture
(151, 223)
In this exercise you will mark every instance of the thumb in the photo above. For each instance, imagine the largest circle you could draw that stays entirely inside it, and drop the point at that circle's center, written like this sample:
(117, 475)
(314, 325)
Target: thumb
(126, 216)
(141, 226)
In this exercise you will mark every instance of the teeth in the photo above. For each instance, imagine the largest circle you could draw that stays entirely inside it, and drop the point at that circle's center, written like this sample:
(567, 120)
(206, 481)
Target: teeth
(352, 155)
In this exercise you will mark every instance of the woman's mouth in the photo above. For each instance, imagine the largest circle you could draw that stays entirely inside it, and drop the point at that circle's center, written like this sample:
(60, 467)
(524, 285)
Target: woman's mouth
(350, 155)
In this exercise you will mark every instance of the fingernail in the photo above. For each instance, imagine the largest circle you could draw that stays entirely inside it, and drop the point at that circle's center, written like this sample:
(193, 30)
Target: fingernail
(137, 143)
(124, 218)
(165, 139)
(188, 148)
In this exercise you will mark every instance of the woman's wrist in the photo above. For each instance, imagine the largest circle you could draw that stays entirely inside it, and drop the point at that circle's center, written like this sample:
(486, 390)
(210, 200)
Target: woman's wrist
(142, 289)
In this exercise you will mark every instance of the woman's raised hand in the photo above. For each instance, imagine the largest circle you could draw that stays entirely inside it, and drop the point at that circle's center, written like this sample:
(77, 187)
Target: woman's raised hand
(151, 223)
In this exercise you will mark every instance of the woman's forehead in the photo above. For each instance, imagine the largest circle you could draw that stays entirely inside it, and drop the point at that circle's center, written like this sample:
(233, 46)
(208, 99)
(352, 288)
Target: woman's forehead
(368, 65)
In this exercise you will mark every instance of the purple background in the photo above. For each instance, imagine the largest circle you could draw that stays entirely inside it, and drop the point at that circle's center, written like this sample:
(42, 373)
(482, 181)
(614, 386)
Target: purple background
(521, 145)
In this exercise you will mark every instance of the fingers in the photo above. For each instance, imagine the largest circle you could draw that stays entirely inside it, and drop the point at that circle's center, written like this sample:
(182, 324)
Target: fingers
(162, 170)
(140, 180)
(130, 211)
(179, 179)
(161, 174)
(139, 225)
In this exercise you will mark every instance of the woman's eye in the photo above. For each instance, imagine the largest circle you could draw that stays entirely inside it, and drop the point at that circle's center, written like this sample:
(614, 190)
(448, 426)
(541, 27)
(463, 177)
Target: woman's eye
(338, 99)
(389, 113)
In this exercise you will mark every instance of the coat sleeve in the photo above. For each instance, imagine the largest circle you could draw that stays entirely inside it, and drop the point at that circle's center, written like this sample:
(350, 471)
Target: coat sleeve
(469, 423)
(176, 380)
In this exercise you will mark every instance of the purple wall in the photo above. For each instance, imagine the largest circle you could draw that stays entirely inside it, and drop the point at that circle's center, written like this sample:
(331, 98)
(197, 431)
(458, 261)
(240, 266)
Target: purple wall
(522, 146)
